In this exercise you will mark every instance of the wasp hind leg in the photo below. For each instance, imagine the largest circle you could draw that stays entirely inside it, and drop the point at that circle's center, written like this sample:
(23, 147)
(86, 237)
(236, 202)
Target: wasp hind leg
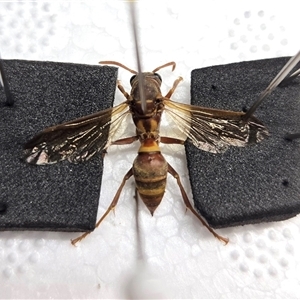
(190, 207)
(110, 208)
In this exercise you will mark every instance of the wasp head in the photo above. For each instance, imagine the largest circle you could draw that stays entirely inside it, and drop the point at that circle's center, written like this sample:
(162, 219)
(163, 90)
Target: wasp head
(152, 94)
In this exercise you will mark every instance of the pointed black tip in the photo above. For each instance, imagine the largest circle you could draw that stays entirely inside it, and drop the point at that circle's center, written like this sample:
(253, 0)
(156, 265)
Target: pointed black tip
(292, 136)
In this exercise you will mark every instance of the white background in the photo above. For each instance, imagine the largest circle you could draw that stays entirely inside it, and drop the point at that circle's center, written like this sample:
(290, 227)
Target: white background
(179, 258)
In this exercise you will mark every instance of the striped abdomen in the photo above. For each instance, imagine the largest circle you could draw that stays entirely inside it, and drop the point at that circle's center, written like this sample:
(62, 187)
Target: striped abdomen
(150, 172)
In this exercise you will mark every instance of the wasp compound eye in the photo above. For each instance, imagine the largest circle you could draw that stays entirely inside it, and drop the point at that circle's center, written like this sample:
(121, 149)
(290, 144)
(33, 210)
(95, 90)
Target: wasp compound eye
(158, 76)
(132, 78)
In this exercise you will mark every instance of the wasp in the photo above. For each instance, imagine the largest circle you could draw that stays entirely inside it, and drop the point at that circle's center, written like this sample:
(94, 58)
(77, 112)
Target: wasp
(208, 129)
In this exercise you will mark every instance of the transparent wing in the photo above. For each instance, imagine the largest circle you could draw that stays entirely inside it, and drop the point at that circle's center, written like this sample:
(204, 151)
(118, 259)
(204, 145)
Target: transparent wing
(76, 140)
(214, 130)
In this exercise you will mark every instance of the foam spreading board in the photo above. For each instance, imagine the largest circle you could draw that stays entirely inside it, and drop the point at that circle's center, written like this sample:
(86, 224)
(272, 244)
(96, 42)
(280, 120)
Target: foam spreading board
(60, 196)
(258, 183)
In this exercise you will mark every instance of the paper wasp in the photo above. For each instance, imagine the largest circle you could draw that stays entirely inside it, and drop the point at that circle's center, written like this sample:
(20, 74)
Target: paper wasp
(208, 129)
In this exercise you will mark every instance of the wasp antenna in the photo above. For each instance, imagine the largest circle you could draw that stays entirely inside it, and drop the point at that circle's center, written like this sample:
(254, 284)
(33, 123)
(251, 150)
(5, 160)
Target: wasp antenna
(292, 136)
(136, 39)
(112, 62)
(274, 83)
(4, 82)
(171, 63)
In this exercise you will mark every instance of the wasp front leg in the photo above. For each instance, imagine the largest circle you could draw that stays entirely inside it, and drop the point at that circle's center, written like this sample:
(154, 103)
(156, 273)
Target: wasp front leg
(175, 84)
(122, 90)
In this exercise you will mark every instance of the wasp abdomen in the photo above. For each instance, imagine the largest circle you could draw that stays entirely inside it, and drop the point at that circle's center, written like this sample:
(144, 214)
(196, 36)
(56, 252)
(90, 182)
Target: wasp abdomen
(150, 172)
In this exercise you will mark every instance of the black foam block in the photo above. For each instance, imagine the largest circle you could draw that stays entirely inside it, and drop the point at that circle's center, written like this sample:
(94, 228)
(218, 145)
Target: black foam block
(258, 183)
(60, 196)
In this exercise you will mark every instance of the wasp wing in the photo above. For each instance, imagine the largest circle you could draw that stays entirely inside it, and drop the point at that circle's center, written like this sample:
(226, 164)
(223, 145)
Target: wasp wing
(76, 140)
(215, 130)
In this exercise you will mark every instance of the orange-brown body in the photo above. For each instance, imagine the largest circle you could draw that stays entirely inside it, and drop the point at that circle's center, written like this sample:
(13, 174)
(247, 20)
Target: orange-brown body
(150, 168)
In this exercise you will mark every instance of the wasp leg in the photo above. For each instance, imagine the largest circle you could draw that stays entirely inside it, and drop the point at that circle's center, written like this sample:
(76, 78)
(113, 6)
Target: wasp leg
(189, 206)
(125, 141)
(111, 207)
(122, 90)
(169, 140)
(175, 84)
